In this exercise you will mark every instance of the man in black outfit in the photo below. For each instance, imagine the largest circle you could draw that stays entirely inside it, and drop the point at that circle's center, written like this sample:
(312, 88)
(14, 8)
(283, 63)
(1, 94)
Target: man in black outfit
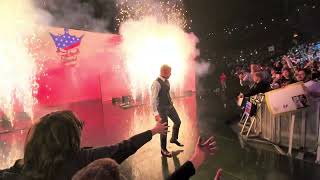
(286, 78)
(163, 108)
(260, 86)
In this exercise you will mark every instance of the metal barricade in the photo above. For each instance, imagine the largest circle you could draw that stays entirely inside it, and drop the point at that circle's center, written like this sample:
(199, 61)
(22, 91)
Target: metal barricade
(275, 128)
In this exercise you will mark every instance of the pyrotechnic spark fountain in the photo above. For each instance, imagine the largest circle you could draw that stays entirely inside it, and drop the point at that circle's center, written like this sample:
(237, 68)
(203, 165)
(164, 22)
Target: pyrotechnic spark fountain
(153, 34)
(167, 11)
(19, 25)
(17, 64)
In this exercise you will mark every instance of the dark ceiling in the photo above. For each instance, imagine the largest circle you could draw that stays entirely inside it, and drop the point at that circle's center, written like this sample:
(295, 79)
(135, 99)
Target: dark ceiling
(210, 18)
(222, 24)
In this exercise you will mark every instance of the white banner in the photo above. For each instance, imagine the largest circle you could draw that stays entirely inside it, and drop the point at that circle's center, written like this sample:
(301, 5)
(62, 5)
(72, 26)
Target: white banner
(287, 99)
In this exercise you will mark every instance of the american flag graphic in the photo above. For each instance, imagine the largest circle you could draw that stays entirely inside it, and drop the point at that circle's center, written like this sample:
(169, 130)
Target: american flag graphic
(66, 41)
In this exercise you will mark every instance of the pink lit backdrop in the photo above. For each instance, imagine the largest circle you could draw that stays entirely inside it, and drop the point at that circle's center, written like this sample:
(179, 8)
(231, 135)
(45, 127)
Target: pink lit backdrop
(99, 72)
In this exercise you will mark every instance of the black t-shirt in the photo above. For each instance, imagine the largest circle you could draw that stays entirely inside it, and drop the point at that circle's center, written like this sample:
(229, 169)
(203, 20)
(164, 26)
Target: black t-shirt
(119, 152)
(260, 87)
(315, 75)
(285, 81)
(184, 172)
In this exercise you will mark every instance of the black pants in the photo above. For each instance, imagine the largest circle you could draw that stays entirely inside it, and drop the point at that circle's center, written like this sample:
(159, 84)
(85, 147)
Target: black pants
(173, 115)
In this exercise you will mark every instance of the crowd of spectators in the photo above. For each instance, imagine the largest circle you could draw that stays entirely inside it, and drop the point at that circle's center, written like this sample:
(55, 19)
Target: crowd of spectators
(300, 64)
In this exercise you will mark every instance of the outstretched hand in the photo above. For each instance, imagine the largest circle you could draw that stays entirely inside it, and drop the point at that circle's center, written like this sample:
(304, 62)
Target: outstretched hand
(208, 146)
(158, 118)
(203, 148)
(160, 128)
(218, 174)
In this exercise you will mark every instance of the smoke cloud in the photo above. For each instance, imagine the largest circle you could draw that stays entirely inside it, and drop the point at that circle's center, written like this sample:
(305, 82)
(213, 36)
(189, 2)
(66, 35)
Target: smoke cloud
(202, 68)
(78, 14)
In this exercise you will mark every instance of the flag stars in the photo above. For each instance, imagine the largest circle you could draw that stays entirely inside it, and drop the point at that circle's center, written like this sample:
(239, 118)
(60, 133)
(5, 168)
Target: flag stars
(65, 40)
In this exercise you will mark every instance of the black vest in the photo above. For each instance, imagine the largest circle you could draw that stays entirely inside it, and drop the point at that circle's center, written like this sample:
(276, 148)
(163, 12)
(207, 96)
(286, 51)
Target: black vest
(164, 94)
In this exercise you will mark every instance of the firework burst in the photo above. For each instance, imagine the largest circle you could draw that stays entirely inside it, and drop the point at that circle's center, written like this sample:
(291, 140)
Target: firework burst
(153, 34)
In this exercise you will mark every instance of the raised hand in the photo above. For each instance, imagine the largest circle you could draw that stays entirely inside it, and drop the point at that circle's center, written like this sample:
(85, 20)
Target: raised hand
(218, 174)
(203, 148)
(158, 118)
(208, 146)
(160, 128)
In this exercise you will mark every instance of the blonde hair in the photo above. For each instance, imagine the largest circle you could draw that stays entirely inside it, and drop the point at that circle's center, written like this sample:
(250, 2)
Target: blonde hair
(165, 67)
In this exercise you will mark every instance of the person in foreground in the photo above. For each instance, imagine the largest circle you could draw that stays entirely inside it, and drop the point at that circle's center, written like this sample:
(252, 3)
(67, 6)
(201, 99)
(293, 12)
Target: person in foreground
(108, 169)
(163, 108)
(101, 169)
(201, 152)
(53, 150)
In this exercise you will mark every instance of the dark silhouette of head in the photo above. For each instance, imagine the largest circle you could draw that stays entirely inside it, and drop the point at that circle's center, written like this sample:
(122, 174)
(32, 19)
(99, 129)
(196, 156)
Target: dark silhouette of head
(54, 139)
(101, 169)
(286, 72)
(257, 77)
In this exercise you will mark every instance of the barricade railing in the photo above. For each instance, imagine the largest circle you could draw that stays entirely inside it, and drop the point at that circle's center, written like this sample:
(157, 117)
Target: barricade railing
(304, 127)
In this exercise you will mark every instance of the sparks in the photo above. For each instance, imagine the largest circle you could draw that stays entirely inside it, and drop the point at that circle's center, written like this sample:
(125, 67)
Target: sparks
(153, 35)
(17, 64)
